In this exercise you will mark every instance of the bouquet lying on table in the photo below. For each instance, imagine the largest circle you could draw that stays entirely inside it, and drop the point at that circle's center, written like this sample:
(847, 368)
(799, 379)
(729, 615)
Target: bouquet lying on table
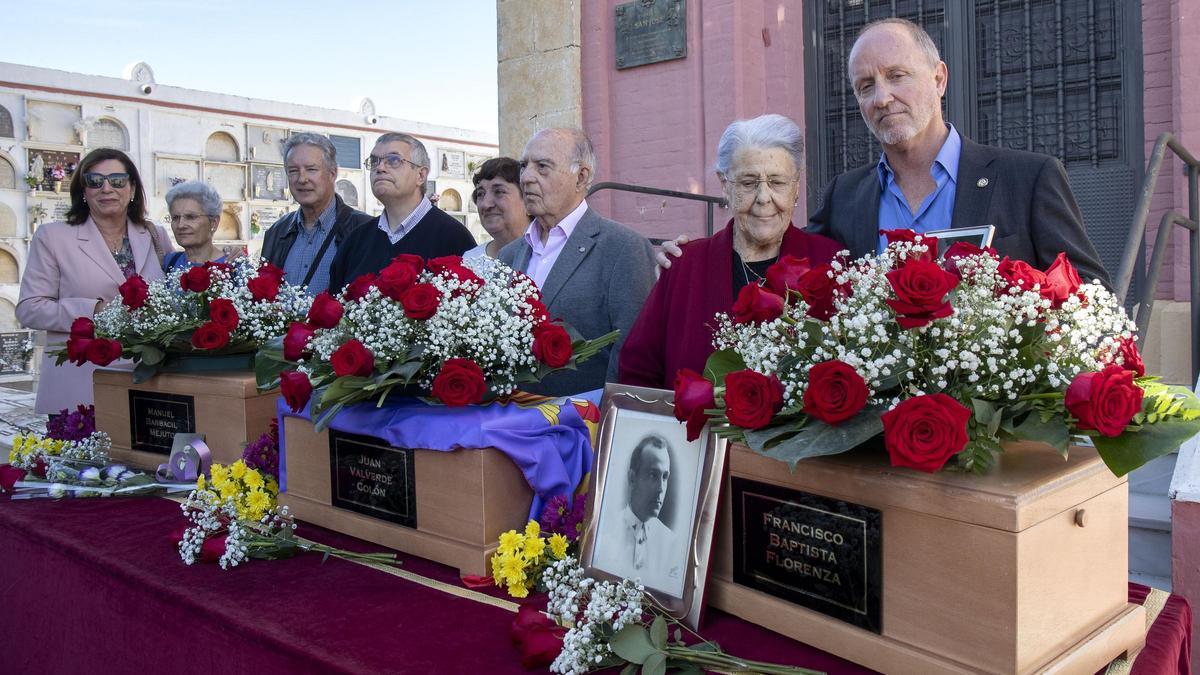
(946, 356)
(215, 309)
(48, 467)
(466, 330)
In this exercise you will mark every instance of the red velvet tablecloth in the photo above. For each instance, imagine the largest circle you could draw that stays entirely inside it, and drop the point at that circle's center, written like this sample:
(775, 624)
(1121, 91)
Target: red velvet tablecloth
(95, 585)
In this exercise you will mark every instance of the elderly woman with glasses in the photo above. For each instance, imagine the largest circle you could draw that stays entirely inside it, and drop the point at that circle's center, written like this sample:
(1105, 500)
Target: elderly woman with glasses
(758, 164)
(75, 267)
(195, 209)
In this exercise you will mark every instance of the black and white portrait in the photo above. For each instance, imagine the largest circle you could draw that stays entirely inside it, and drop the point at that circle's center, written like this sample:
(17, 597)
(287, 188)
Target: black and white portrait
(649, 501)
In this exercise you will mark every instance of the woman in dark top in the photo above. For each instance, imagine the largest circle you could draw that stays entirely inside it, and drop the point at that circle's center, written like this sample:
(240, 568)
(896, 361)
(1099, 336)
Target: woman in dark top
(758, 163)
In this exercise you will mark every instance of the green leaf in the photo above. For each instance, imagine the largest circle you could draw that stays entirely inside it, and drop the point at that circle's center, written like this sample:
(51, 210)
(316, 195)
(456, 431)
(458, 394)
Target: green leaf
(656, 664)
(1134, 448)
(629, 669)
(722, 363)
(815, 438)
(658, 632)
(678, 635)
(143, 371)
(632, 643)
(1053, 431)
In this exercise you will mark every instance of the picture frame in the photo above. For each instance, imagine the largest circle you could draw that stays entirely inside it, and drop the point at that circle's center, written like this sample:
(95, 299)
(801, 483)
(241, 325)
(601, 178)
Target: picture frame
(980, 236)
(644, 524)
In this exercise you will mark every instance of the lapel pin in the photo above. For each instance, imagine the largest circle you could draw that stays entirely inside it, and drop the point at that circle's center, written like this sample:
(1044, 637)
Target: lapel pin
(982, 182)
(582, 249)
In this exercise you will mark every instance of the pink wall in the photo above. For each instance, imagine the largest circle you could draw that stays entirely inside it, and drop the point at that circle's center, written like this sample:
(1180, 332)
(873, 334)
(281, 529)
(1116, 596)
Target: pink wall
(658, 125)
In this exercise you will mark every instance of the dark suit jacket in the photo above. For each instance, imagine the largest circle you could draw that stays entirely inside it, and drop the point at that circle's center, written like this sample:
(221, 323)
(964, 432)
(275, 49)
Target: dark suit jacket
(277, 242)
(597, 284)
(1026, 196)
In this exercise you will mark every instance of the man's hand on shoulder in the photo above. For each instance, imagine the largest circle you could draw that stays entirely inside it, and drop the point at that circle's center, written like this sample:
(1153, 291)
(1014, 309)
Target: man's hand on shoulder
(670, 249)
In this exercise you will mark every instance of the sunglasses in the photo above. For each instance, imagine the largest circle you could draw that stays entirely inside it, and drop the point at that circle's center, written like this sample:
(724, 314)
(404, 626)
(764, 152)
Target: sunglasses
(95, 181)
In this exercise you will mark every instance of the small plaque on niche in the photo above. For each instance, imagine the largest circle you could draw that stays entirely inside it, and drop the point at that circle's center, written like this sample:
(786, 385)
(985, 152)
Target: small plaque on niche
(370, 477)
(821, 553)
(155, 418)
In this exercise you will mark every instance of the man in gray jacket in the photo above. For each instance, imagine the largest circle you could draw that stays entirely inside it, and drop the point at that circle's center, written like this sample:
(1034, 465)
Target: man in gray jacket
(594, 273)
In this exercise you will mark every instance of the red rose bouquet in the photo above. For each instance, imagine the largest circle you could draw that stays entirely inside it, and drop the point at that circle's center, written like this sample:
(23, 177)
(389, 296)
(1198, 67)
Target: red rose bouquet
(946, 357)
(217, 309)
(462, 331)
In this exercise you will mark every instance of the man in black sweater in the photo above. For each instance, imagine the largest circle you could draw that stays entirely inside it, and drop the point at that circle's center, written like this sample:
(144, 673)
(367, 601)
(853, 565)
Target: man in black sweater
(410, 223)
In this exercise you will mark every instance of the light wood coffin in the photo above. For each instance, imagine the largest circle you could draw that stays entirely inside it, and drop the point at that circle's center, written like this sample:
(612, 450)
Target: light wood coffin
(224, 406)
(463, 500)
(1023, 570)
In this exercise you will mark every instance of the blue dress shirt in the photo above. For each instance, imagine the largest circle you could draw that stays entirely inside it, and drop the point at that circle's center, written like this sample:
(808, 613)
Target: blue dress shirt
(304, 251)
(936, 211)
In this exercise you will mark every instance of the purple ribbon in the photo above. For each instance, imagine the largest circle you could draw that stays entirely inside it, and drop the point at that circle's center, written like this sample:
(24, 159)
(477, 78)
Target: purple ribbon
(187, 463)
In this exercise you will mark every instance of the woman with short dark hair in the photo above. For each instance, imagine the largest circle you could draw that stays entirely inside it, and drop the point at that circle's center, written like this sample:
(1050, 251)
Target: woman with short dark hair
(75, 267)
(497, 195)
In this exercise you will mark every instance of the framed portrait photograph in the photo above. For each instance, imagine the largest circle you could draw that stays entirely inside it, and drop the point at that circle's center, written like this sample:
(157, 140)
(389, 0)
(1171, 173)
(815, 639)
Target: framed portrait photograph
(980, 236)
(653, 506)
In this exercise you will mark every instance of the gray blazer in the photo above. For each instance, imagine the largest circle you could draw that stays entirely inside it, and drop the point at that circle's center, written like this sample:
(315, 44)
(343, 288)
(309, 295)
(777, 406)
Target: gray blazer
(1024, 194)
(598, 284)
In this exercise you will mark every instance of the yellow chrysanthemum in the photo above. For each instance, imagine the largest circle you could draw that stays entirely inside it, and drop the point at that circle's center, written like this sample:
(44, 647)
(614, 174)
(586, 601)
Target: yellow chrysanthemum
(534, 548)
(237, 470)
(511, 542)
(219, 474)
(259, 501)
(201, 484)
(518, 590)
(533, 530)
(498, 569)
(228, 490)
(272, 487)
(513, 569)
(253, 479)
(558, 546)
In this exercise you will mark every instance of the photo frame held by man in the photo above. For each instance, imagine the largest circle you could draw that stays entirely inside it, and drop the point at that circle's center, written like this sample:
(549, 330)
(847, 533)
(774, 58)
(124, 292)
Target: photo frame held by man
(654, 503)
(980, 236)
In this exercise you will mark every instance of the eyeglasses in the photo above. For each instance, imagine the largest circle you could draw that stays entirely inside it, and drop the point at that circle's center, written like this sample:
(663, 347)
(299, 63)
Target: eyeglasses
(96, 180)
(393, 161)
(748, 185)
(188, 218)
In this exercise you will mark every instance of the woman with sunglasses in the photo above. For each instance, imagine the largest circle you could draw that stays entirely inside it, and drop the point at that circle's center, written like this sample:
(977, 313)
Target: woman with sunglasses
(195, 209)
(75, 267)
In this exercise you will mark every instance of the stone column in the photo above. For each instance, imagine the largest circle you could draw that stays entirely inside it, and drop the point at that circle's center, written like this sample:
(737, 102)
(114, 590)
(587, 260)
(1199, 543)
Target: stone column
(537, 45)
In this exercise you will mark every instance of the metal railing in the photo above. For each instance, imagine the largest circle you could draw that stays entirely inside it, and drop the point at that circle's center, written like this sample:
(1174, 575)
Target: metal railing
(1137, 231)
(642, 189)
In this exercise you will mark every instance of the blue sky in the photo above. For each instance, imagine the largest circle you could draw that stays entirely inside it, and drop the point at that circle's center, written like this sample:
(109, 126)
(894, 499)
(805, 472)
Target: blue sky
(427, 60)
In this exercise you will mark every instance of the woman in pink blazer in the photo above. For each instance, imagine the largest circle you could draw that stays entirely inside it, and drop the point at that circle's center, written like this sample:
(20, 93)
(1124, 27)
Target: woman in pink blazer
(75, 267)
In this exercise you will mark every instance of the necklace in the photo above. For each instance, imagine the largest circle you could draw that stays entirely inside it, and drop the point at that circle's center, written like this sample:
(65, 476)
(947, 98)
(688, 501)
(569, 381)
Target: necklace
(748, 272)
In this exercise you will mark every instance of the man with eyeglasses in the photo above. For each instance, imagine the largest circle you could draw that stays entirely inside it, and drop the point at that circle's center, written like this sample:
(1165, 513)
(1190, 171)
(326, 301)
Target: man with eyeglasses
(594, 273)
(410, 223)
(303, 243)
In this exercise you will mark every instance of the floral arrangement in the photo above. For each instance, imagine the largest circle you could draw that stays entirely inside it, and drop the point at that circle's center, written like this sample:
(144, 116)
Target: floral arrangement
(946, 357)
(215, 309)
(564, 516)
(263, 453)
(464, 330)
(73, 425)
(233, 518)
(58, 172)
(521, 556)
(32, 180)
(41, 466)
(34, 453)
(614, 623)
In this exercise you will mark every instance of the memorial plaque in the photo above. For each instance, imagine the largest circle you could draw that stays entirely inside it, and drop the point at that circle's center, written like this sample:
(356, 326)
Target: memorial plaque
(649, 31)
(370, 477)
(269, 182)
(155, 418)
(817, 552)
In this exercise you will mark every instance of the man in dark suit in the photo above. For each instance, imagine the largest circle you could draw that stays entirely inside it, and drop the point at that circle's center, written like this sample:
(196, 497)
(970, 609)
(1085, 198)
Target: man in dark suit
(304, 242)
(594, 273)
(930, 177)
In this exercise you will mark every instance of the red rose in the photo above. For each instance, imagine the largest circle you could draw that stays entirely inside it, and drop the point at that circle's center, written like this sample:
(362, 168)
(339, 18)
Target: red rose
(819, 290)
(959, 250)
(212, 549)
(224, 267)
(538, 638)
(1105, 401)
(295, 343)
(264, 287)
(83, 327)
(755, 304)
(103, 352)
(325, 311)
(270, 271)
(552, 345)
(1020, 274)
(9, 475)
(921, 287)
(210, 336)
(358, 289)
(134, 292)
(899, 234)
(196, 279)
(396, 277)
(1131, 358)
(453, 265)
(924, 432)
(77, 349)
(222, 312)
(414, 261)
(420, 301)
(835, 393)
(352, 358)
(296, 389)
(1062, 281)
(785, 274)
(693, 395)
(459, 382)
(752, 399)
(911, 237)
(538, 311)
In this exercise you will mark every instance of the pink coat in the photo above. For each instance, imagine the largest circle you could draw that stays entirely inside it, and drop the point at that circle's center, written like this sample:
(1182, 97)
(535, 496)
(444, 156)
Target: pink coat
(70, 270)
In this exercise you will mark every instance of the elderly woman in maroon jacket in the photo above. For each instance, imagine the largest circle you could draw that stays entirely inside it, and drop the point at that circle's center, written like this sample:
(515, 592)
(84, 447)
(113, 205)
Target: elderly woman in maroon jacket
(758, 163)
